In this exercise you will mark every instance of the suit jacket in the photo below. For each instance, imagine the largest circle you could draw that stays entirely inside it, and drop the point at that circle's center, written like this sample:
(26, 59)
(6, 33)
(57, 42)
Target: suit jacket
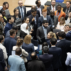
(9, 43)
(2, 62)
(36, 65)
(24, 11)
(47, 60)
(16, 63)
(29, 48)
(56, 52)
(65, 46)
(29, 13)
(40, 20)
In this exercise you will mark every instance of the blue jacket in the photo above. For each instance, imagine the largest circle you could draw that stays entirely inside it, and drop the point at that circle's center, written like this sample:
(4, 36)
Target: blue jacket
(16, 63)
(7, 27)
(29, 48)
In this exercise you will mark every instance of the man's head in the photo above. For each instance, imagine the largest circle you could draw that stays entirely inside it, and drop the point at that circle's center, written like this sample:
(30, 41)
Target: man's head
(61, 35)
(38, 2)
(5, 5)
(18, 51)
(1, 38)
(45, 23)
(69, 14)
(15, 28)
(12, 33)
(3, 13)
(44, 12)
(1, 17)
(59, 8)
(33, 7)
(20, 3)
(66, 27)
(52, 13)
(45, 49)
(33, 12)
(53, 2)
(33, 56)
(68, 4)
(53, 41)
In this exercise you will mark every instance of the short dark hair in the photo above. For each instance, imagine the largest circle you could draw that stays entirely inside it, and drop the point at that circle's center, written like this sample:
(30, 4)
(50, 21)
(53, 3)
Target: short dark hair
(44, 21)
(53, 41)
(15, 28)
(59, 5)
(9, 18)
(12, 32)
(52, 0)
(36, 1)
(15, 10)
(33, 56)
(1, 38)
(25, 19)
(5, 3)
(18, 51)
(45, 49)
(62, 34)
(44, 44)
(33, 10)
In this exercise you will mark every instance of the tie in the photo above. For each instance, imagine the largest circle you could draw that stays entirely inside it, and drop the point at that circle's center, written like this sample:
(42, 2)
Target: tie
(70, 20)
(21, 13)
(53, 8)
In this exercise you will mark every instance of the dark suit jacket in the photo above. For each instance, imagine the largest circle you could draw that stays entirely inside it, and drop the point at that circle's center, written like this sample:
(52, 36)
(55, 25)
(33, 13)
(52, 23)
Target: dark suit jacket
(36, 65)
(56, 52)
(2, 63)
(47, 60)
(29, 13)
(65, 46)
(24, 11)
(41, 20)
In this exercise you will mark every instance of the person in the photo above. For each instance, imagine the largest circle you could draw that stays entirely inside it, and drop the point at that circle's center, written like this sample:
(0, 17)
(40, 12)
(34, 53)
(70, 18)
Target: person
(42, 31)
(61, 24)
(35, 64)
(56, 52)
(59, 13)
(19, 45)
(22, 9)
(15, 62)
(39, 6)
(9, 25)
(52, 7)
(44, 17)
(65, 46)
(67, 9)
(46, 58)
(54, 19)
(28, 46)
(33, 18)
(33, 7)
(9, 42)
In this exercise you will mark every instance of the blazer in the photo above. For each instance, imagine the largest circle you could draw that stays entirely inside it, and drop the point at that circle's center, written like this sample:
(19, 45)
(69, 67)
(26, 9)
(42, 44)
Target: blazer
(16, 63)
(47, 60)
(29, 48)
(65, 45)
(36, 65)
(29, 13)
(62, 14)
(40, 20)
(56, 52)
(9, 43)
(2, 62)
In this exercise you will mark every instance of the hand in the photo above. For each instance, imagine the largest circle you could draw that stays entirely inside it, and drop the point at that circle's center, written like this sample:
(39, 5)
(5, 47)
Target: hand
(30, 32)
(27, 27)
(6, 69)
(33, 19)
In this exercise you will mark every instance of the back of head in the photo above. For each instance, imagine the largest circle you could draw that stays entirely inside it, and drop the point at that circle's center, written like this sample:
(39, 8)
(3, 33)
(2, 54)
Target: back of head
(33, 10)
(9, 18)
(15, 28)
(44, 44)
(1, 38)
(44, 21)
(12, 32)
(18, 51)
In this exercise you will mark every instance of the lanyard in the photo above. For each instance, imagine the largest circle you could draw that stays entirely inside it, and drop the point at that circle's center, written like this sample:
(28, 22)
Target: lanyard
(57, 14)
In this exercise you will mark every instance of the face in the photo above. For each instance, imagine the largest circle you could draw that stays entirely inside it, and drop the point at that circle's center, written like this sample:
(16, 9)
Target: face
(20, 3)
(34, 13)
(70, 14)
(7, 6)
(39, 2)
(44, 14)
(12, 20)
(66, 28)
(1, 17)
(59, 8)
(53, 3)
(67, 4)
(48, 36)
(52, 13)
(27, 20)
(45, 25)
(14, 34)
(17, 12)
(3, 13)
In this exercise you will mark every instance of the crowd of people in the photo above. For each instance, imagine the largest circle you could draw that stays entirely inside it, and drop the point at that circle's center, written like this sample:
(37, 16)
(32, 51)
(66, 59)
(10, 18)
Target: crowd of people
(36, 40)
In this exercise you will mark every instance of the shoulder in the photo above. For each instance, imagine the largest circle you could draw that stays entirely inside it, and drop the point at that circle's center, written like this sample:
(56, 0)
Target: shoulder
(49, 7)
(40, 28)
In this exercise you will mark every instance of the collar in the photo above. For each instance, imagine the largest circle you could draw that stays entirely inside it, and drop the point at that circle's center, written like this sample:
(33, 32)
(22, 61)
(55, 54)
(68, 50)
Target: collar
(52, 6)
(63, 39)
(53, 46)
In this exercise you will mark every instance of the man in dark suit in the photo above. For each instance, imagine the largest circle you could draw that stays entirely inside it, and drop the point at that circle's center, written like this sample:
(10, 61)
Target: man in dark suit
(44, 17)
(35, 64)
(34, 22)
(29, 12)
(67, 9)
(47, 59)
(65, 46)
(42, 31)
(39, 6)
(56, 52)
(22, 9)
(52, 7)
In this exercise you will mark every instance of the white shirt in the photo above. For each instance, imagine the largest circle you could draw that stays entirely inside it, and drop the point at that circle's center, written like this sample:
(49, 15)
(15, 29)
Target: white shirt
(4, 51)
(53, 8)
(39, 9)
(67, 21)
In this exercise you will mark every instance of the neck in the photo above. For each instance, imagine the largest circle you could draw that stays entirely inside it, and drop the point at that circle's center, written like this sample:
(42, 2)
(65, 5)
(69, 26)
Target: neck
(17, 55)
(52, 45)
(11, 36)
(9, 22)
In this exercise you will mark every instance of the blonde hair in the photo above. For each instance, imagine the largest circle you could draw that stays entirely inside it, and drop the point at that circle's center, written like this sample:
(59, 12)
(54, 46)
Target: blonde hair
(53, 35)
(27, 39)
(62, 19)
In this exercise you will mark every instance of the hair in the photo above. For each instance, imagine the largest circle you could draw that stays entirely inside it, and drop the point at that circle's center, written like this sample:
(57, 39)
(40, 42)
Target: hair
(44, 10)
(69, 25)
(53, 41)
(27, 39)
(5, 3)
(63, 19)
(33, 55)
(53, 0)
(1, 29)
(15, 10)
(18, 51)
(15, 28)
(45, 49)
(25, 19)
(9, 18)
(44, 44)
(33, 10)
(62, 34)
(36, 1)
(68, 1)
(19, 42)
(12, 32)
(58, 5)
(1, 38)
(53, 35)
(44, 21)
(66, 24)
